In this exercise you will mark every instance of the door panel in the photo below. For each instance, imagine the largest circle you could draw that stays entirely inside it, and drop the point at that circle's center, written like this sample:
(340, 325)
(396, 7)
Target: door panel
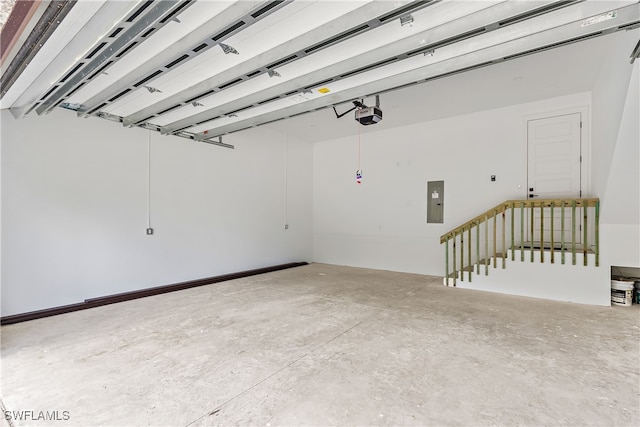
(554, 163)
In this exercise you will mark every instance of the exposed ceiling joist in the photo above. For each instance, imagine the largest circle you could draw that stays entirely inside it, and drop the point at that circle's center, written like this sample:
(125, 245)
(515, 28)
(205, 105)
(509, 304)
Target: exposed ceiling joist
(153, 64)
(470, 18)
(149, 17)
(215, 31)
(317, 38)
(51, 64)
(258, 93)
(456, 62)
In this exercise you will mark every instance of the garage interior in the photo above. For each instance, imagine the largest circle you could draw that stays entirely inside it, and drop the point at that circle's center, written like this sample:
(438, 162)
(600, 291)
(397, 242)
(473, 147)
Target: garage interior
(244, 212)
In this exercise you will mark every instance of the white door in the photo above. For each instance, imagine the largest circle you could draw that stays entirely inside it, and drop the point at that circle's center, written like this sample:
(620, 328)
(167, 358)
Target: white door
(554, 169)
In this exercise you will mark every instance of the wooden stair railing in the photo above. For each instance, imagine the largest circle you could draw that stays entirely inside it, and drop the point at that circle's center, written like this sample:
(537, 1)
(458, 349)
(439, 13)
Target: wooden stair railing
(508, 211)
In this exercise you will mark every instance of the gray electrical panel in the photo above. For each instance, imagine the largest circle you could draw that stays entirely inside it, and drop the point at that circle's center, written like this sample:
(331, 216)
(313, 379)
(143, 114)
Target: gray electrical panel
(435, 202)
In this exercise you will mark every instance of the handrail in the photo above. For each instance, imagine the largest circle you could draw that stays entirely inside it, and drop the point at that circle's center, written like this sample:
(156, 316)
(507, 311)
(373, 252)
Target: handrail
(528, 203)
(495, 241)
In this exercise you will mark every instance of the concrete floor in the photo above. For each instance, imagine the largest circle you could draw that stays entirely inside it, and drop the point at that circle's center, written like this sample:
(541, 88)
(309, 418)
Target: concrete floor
(328, 345)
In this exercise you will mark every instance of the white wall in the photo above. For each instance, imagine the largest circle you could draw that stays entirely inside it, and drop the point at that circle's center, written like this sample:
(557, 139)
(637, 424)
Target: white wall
(608, 99)
(622, 194)
(620, 221)
(560, 282)
(382, 222)
(74, 208)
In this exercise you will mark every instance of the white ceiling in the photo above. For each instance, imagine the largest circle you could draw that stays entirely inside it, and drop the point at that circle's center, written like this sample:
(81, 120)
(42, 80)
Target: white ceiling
(349, 69)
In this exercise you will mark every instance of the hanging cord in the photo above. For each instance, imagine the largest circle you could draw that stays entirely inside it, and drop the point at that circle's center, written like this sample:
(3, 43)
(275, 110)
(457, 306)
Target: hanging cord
(149, 179)
(359, 171)
(358, 124)
(286, 180)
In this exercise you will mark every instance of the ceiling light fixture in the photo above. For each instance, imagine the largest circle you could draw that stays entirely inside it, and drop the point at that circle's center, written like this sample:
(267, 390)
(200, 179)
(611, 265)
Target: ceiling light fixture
(406, 20)
(273, 73)
(429, 52)
(152, 89)
(197, 104)
(228, 49)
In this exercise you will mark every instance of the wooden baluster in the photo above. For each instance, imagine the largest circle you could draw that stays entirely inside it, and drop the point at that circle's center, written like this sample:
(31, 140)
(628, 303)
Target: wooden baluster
(478, 247)
(522, 231)
(486, 245)
(551, 231)
(573, 231)
(470, 263)
(597, 236)
(562, 232)
(502, 210)
(495, 249)
(513, 237)
(462, 254)
(531, 229)
(585, 246)
(455, 272)
(541, 232)
(504, 238)
(446, 261)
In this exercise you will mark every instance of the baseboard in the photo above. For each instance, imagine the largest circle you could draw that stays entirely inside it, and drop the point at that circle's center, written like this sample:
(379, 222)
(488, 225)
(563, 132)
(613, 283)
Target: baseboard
(142, 293)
